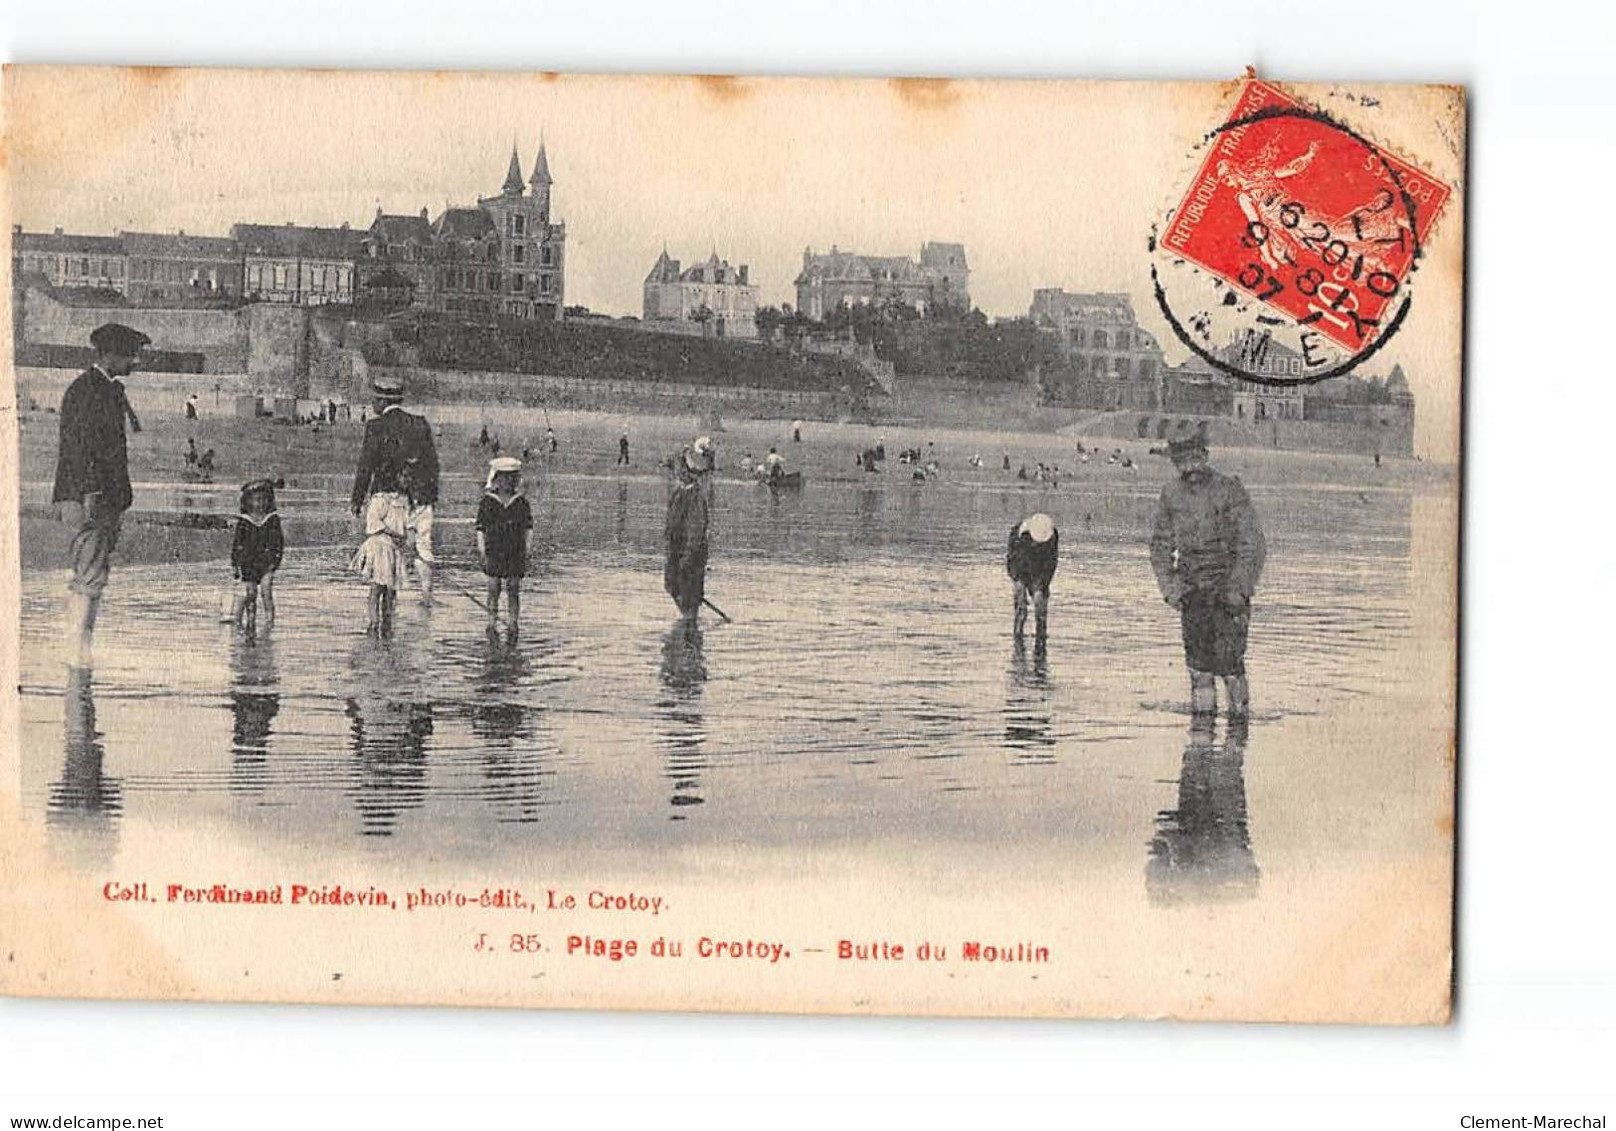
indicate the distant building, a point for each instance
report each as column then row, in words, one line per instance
column 1261, row 356
column 395, row 259
column 67, row 260
column 166, row 268
column 526, row 277
column 303, row 266
column 1111, row 362
column 712, row 294
column 941, row 277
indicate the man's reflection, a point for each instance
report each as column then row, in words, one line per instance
column 1028, row 724
column 683, row 737
column 390, row 732
column 84, row 799
column 1201, row 852
column 254, row 702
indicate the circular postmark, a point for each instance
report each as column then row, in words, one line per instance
column 1288, row 258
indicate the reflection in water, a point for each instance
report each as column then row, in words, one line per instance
column 512, row 763
column 622, row 512
column 389, row 732
column 1201, row 852
column 84, row 799
column 684, row 734
column 254, row 702
column 1028, row 725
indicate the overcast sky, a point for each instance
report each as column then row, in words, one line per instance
column 1046, row 184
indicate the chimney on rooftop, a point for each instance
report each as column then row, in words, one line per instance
column 423, row 213
column 58, row 231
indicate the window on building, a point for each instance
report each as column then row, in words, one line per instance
column 518, row 224
column 493, row 281
column 516, row 284
column 547, row 255
column 344, row 280
column 279, row 275
column 1099, row 339
column 519, row 253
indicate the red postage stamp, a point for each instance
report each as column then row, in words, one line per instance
column 1316, row 223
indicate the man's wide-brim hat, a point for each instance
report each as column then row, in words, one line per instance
column 1187, row 444
column 390, row 387
column 115, row 337
column 699, row 455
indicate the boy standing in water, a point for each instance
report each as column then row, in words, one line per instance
column 255, row 555
column 684, row 574
column 504, row 537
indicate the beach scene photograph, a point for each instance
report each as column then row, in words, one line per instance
column 726, row 543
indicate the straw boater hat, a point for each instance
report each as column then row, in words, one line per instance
column 1038, row 527
column 499, row 465
column 390, row 388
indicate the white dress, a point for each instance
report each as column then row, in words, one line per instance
column 380, row 559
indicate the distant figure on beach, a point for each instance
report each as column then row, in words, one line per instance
column 1007, row 461
column 976, row 461
column 1207, row 550
column 622, row 450
column 255, row 555
column 796, row 431
column 1022, row 474
column 774, row 465
column 881, row 448
column 689, row 513
column 1377, row 456
column 191, row 456
column 504, row 537
column 190, row 407
column 550, row 440
column 867, row 460
column 1031, row 559
column 482, row 437
column 398, row 468
column 92, row 488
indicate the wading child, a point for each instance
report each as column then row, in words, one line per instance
column 504, row 534
column 380, row 559
column 255, row 555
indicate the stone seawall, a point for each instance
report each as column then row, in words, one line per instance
column 221, row 336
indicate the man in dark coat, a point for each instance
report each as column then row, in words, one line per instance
column 399, row 459
column 92, row 477
column 1030, row 560
column 1207, row 550
column 689, row 511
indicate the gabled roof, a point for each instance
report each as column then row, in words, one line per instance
column 66, row 243
column 712, row 270
column 401, row 229
column 463, row 224
column 288, row 241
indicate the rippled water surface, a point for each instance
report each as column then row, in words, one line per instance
column 867, row 688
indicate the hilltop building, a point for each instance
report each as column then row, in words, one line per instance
column 1112, row 362
column 940, row 278
column 67, row 260
column 711, row 295
column 304, row 266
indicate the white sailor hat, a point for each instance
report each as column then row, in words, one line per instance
column 1038, row 527
column 500, row 464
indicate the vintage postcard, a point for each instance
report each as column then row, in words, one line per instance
column 705, row 543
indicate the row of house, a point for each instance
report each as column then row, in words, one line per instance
column 723, row 300
column 503, row 257
column 1113, row 363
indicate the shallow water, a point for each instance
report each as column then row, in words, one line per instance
column 867, row 690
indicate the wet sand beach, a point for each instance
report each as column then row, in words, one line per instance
column 864, row 743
